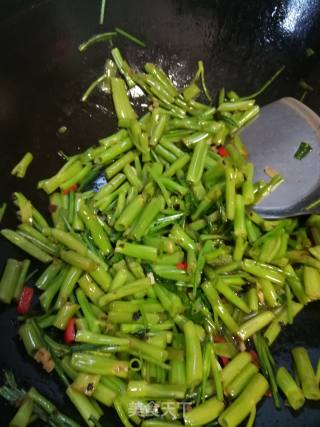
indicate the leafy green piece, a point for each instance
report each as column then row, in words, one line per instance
column 302, row 151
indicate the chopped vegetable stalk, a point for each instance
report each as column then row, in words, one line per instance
column 289, row 387
column 194, row 367
column 9, row 280
column 204, row 413
column 21, row 168
column 23, row 415
column 306, row 373
column 242, row 406
column 122, row 105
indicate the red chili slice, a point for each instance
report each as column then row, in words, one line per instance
column 255, row 358
column 70, row 331
column 25, row 300
column 182, row 265
column 222, row 151
column 219, row 339
column 69, row 190
column 52, row 208
column 224, row 360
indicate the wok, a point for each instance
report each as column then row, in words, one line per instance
column 42, row 77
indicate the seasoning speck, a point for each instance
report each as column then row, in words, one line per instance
column 62, row 130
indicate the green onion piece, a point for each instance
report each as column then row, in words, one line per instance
column 302, row 151
column 93, row 85
column 102, row 11
column 268, row 365
column 265, row 86
column 305, row 86
column 96, row 39
column 200, row 74
column 216, row 373
column 130, row 37
column 123, row 67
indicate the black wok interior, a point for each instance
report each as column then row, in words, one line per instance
column 42, row 77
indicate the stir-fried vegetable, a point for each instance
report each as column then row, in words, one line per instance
column 163, row 278
column 32, row 406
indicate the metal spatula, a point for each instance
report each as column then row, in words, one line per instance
column 272, row 140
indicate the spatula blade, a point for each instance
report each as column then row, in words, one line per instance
column 272, row 140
